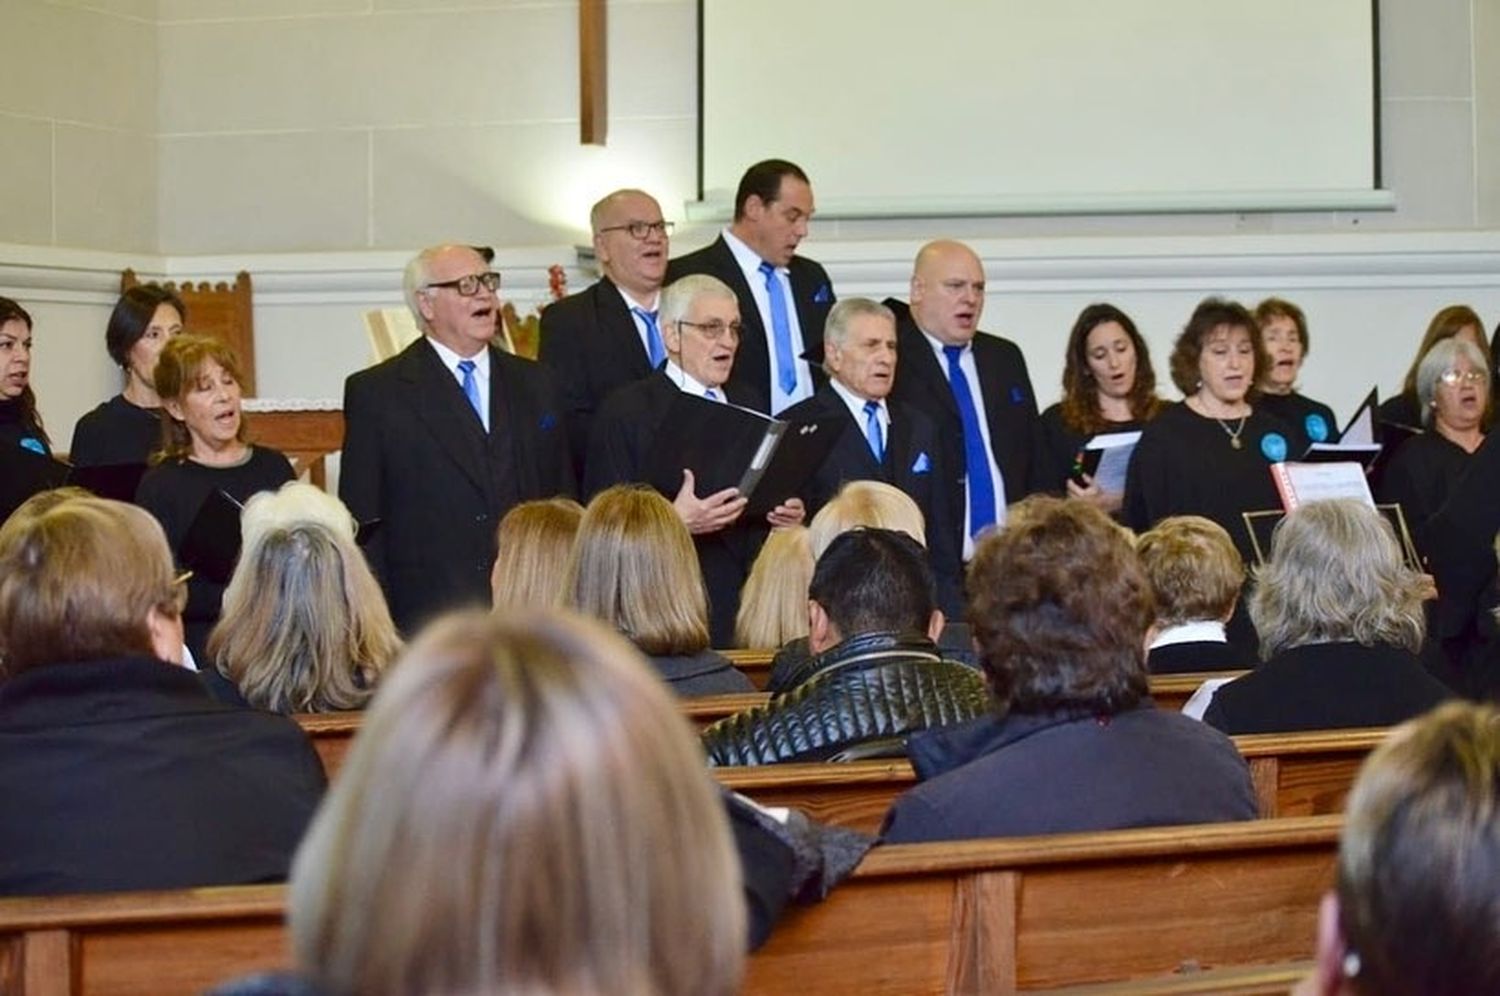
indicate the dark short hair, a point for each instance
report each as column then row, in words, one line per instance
column 874, row 580
column 1212, row 313
column 132, row 316
column 1080, row 403
column 764, row 181
column 1059, row 607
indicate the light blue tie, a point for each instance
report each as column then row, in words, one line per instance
column 781, row 331
column 471, row 388
column 872, row 430
column 976, row 461
column 656, row 350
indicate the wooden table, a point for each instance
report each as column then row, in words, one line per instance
column 305, row 435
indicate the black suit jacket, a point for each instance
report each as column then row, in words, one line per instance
column 913, row 462
column 417, row 458
column 590, row 342
column 1009, row 408
column 812, row 293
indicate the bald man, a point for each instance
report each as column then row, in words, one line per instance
column 975, row 387
column 608, row 334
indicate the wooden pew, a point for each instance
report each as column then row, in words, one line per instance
column 1306, row 774
column 998, row 916
column 1171, row 691
column 756, row 663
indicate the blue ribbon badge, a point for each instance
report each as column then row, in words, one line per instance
column 34, row 445
column 1273, row 445
column 1317, row 428
column 922, row 465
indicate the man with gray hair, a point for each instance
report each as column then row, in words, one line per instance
column 443, row 438
column 882, row 439
column 700, row 325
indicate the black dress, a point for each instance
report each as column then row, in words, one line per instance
column 1313, row 419
column 24, row 469
column 174, row 492
column 116, row 432
column 1060, row 445
column 1421, row 475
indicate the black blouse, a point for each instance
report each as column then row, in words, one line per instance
column 116, row 432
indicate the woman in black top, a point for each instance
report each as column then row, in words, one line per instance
column 20, row 425
column 206, row 453
column 1108, row 386
column 1283, row 329
column 126, row 429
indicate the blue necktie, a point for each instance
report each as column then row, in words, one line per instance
column 656, row 351
column 781, row 331
column 872, row 430
column 711, row 394
column 976, row 460
column 471, row 388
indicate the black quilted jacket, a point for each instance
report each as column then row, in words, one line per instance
column 870, row 692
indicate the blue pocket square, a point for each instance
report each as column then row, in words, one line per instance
column 823, row 295
column 922, row 465
column 547, row 421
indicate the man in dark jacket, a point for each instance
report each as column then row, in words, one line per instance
column 875, row 675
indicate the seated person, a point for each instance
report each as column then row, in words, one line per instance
column 634, row 569
column 1340, row 621
column 119, row 771
column 877, row 674
column 773, row 604
column 1060, row 608
column 1195, row 574
column 1414, row 908
column 305, row 626
column 534, row 541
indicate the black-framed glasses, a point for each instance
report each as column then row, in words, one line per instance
column 469, row 284
column 641, row 229
column 714, row 331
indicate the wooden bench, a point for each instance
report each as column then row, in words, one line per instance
column 756, row 663
column 998, row 916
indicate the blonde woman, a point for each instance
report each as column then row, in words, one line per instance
column 773, row 606
column 305, row 627
column 489, row 834
column 634, row 568
column 535, row 540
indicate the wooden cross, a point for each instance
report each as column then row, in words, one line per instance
column 593, row 114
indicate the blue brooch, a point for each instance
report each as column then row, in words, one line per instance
column 34, row 445
column 1017, row 394
column 1317, row 429
column 1273, row 445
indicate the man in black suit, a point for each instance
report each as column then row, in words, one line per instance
column 608, row 334
column 975, row 387
column 882, row 439
column 443, row 438
column 784, row 298
column 700, row 324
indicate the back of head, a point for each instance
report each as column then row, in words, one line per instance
column 773, row 605
column 1336, row 574
column 872, row 504
column 304, row 627
column 1194, row 569
column 874, row 580
column 490, row 832
column 634, row 567
column 534, row 541
column 1059, row 606
column 295, row 503
column 1420, row 858
column 79, row 578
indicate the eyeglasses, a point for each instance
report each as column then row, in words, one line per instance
column 641, row 229
column 468, row 285
column 714, row 331
column 1453, row 378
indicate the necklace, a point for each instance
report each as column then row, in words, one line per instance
column 1233, row 434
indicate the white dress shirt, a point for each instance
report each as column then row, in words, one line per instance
column 971, row 374
column 750, row 261
column 688, row 384
column 481, row 375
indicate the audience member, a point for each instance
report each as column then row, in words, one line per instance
column 1196, row 575
column 126, row 429
column 1455, row 321
column 1340, row 621
column 633, row 568
column 784, row 298
column 773, row 605
column 609, row 334
column 490, row 832
column 445, row 437
column 876, row 675
column 305, row 627
column 1109, row 386
column 1415, row 909
column 119, row 771
column 1283, row 330
column 1060, row 608
column 535, row 540
column 974, row 387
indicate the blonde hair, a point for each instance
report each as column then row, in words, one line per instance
column 1194, row 569
column 78, row 580
column 305, row 627
column 178, row 370
column 773, row 605
column 1335, row 574
column 535, row 540
column 523, row 811
column 866, row 503
column 634, row 567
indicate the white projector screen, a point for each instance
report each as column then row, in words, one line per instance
column 1019, row 106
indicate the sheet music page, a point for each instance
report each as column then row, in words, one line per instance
column 1114, row 461
column 1324, row 481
